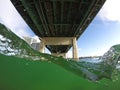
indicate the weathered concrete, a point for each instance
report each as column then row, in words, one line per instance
column 42, row 47
column 60, row 54
column 75, row 49
column 60, row 41
column 57, row 40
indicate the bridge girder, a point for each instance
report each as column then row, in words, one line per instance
column 58, row 18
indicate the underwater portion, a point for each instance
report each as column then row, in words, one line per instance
column 22, row 68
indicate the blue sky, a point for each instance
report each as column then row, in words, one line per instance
column 100, row 35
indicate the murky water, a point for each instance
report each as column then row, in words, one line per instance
column 22, row 68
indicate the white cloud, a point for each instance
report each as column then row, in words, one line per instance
column 11, row 18
column 36, row 38
column 69, row 54
column 9, row 15
column 21, row 33
column 110, row 11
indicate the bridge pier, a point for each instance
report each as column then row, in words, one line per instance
column 75, row 49
column 42, row 46
column 60, row 41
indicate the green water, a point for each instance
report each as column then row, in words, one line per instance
column 21, row 74
column 22, row 68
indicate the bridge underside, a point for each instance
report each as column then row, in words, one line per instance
column 58, row 18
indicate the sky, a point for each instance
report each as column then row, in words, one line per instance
column 99, row 36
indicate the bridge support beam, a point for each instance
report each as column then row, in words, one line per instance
column 42, row 47
column 75, row 49
column 60, row 54
column 60, row 41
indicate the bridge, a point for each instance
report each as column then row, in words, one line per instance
column 58, row 23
